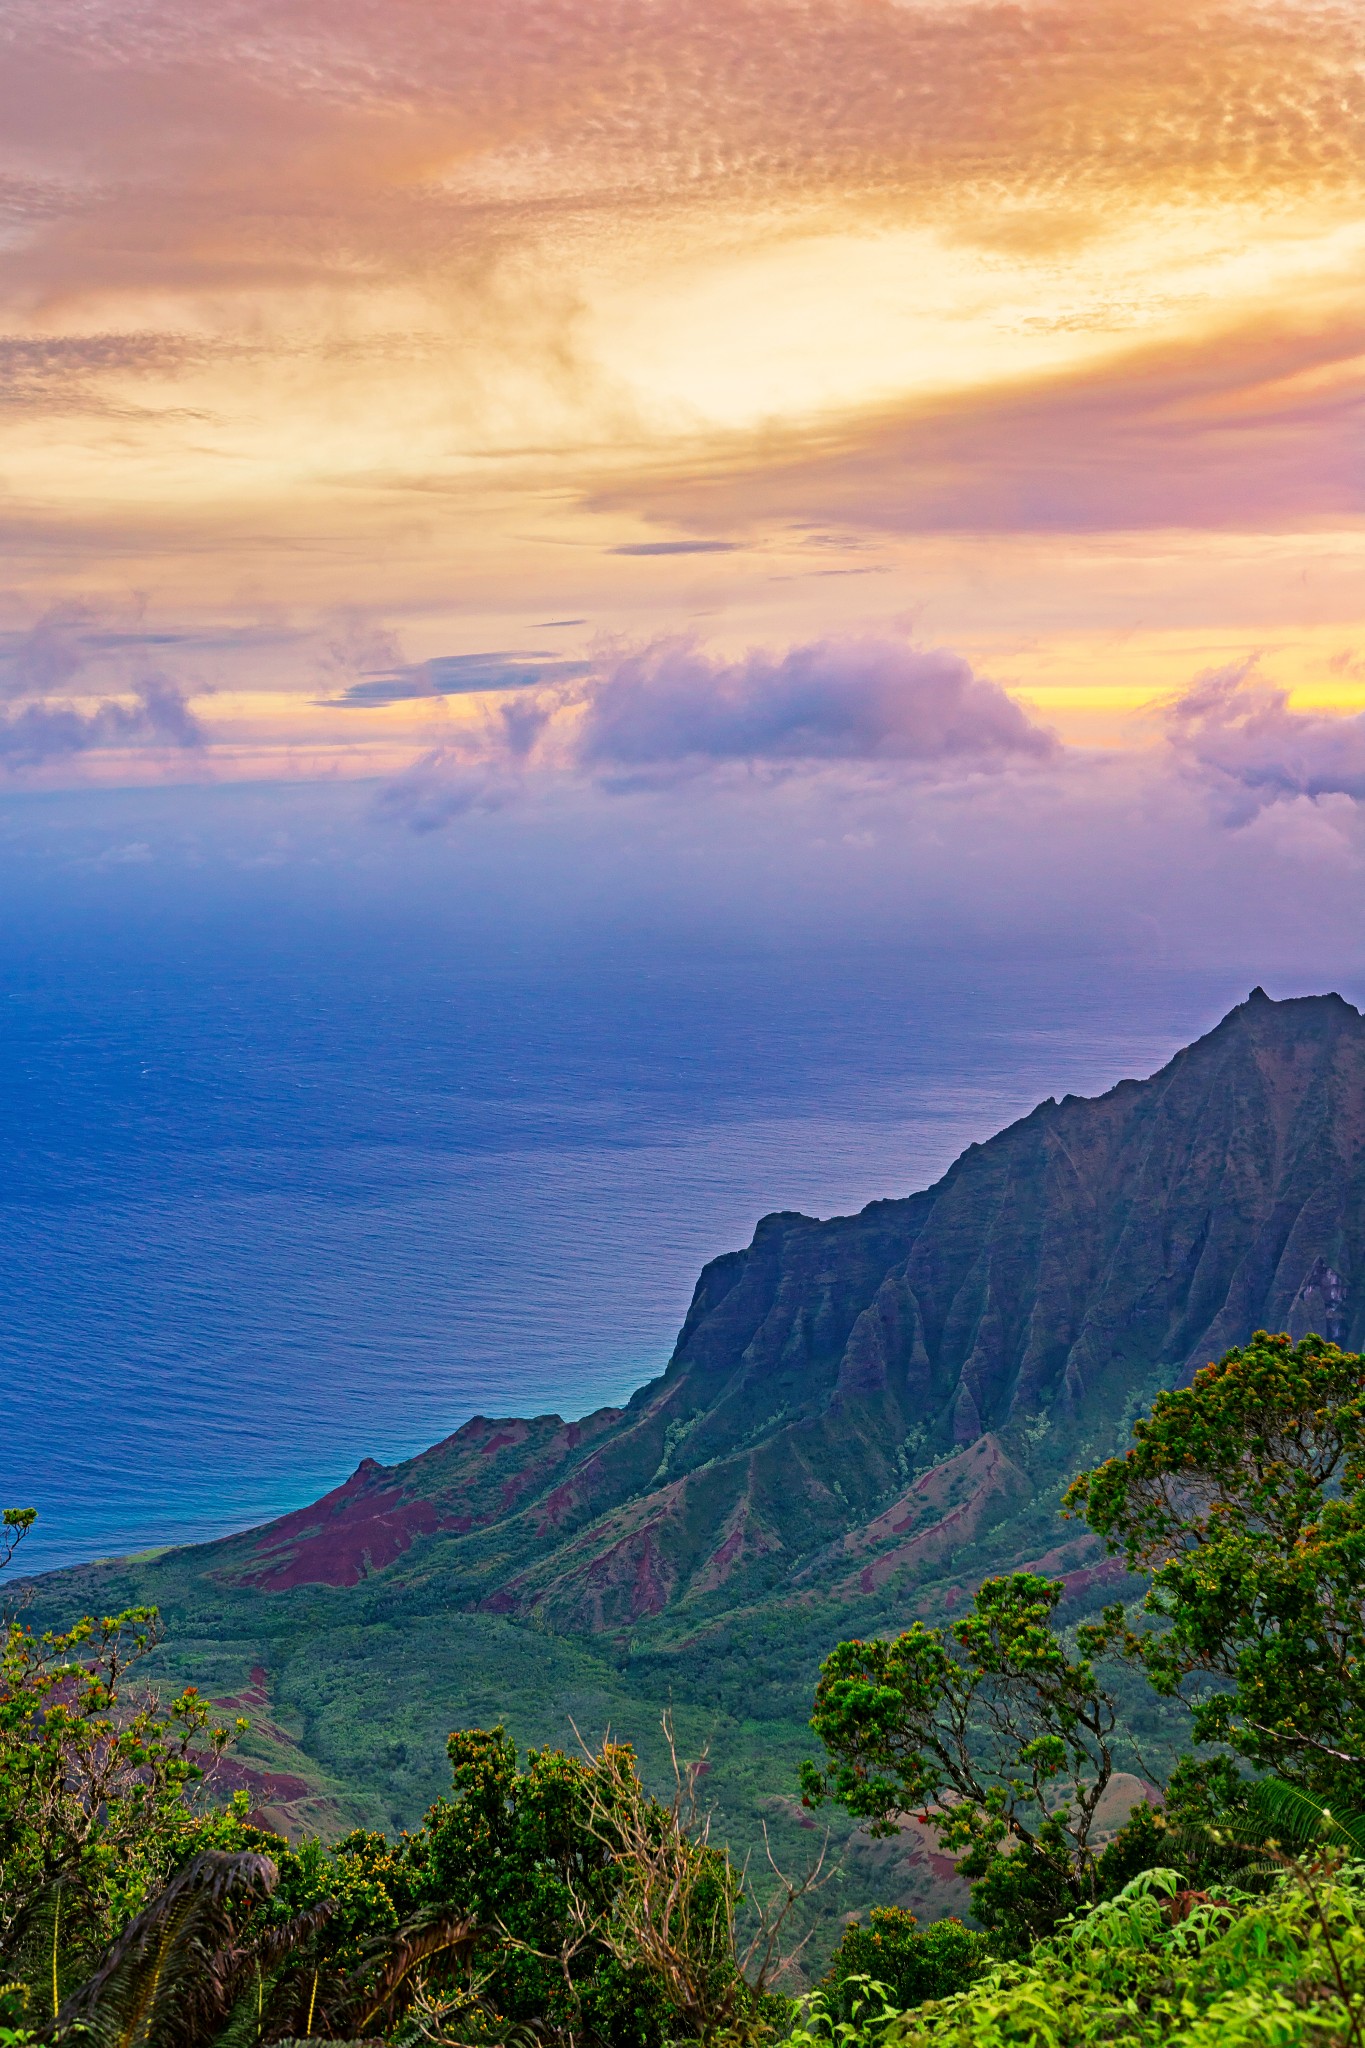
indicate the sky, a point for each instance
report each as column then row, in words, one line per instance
column 559, row 553
column 898, row 423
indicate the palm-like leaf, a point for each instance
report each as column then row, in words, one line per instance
column 266, row 1984
column 168, row 1981
column 372, row 1992
column 292, row 1991
column 47, row 1950
column 1287, row 1814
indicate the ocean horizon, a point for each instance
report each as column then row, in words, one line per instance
column 273, row 1205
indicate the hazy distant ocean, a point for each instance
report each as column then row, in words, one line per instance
column 277, row 1200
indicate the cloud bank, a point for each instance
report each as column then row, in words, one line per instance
column 668, row 712
column 672, row 707
column 1237, row 731
column 54, row 710
column 867, row 712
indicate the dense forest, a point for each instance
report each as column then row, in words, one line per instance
column 560, row 1898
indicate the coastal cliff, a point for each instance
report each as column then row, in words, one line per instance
column 849, row 1401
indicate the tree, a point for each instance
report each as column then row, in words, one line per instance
column 95, row 1778
column 527, row 1856
column 603, row 1914
column 914, row 1963
column 989, row 1730
column 1244, row 1497
column 678, row 1904
column 15, row 1524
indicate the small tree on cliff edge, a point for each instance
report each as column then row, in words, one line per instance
column 1244, row 1497
column 992, row 1732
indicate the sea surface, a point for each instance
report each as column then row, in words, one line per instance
column 274, row 1200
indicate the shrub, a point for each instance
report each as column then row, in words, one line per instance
column 913, row 1963
column 1159, row 1966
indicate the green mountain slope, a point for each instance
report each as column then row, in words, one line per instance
column 861, row 1418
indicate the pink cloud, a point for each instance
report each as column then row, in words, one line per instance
column 1237, row 731
column 670, row 706
column 666, row 712
column 1251, row 430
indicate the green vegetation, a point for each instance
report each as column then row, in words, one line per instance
column 979, row 1724
column 1160, row 1965
column 1242, row 1496
column 910, row 1964
column 546, row 1897
column 558, row 1901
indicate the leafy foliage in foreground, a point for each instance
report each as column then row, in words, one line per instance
column 96, row 1782
column 1159, row 1964
column 559, row 1902
column 993, row 1728
column 911, row 1963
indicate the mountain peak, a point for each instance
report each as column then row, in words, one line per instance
column 1287, row 1007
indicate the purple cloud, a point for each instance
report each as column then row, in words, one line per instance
column 1237, row 730
column 40, row 671
column 676, row 547
column 669, row 706
column 43, row 731
column 440, row 786
column 455, row 675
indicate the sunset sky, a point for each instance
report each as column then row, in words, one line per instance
column 623, row 392
column 616, row 614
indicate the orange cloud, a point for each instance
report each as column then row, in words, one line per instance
column 474, row 315
column 1252, row 429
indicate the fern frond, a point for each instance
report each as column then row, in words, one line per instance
column 168, row 1981
column 376, row 1984
column 1302, row 1822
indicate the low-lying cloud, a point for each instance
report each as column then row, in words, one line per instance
column 669, row 712
column 440, row 786
column 158, row 714
column 45, row 684
column 672, row 707
column 1237, row 730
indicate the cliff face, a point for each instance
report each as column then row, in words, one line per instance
column 851, row 1401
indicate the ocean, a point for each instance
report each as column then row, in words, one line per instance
column 282, row 1191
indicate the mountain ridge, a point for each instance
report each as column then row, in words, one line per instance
column 806, row 1468
column 834, row 1382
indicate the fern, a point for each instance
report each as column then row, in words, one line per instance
column 168, row 1980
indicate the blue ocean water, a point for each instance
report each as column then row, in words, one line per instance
column 278, row 1195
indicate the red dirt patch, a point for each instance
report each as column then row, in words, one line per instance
column 612, row 1578
column 944, row 1507
column 743, row 1537
column 356, row 1529
column 267, row 1788
column 503, row 1439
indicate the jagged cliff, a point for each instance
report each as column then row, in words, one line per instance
column 853, row 1402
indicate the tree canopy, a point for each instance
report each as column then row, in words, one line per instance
column 991, row 1729
column 1243, row 1496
